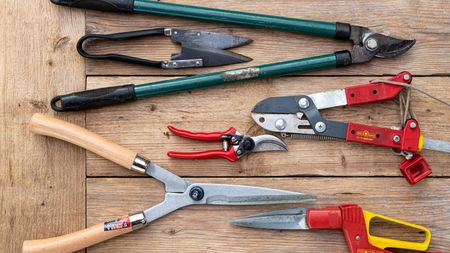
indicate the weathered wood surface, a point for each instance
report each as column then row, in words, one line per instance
column 141, row 126
column 206, row 228
column 42, row 181
column 426, row 21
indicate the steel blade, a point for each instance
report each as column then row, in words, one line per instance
column 436, row 145
column 172, row 182
column 290, row 219
column 209, row 57
column 391, row 47
column 204, row 39
column 268, row 143
column 223, row 194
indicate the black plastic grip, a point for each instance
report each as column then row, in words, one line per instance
column 343, row 58
column 343, row 31
column 99, row 5
column 94, row 98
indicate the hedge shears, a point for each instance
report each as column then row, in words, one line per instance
column 179, row 192
column 299, row 116
column 367, row 44
column 351, row 219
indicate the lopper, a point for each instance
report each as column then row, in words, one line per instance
column 235, row 145
column 299, row 116
column 367, row 44
column 179, row 192
column 351, row 219
column 198, row 48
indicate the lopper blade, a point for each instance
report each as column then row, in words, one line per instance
column 223, row 194
column 202, row 39
column 290, row 219
column 210, row 57
column 436, row 145
column 267, row 142
column 392, row 47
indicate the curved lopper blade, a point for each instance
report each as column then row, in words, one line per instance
column 268, row 143
column 290, row 219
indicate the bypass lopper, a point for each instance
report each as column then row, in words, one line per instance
column 367, row 44
column 351, row 219
column 299, row 116
column 179, row 192
column 235, row 145
column 198, row 48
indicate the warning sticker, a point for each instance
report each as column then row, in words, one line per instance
column 117, row 224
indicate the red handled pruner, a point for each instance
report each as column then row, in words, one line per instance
column 351, row 219
column 235, row 145
column 299, row 116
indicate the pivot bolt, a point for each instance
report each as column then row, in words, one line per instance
column 358, row 237
column 396, row 138
column 372, row 44
column 196, row 193
column 320, row 127
column 413, row 125
column 303, row 103
column 406, row 77
column 280, row 124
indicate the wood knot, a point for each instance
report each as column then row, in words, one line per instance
column 61, row 42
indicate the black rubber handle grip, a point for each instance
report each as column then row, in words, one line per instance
column 99, row 5
column 94, row 98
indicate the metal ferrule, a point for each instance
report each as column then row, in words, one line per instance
column 137, row 221
column 140, row 164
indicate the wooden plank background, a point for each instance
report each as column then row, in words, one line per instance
column 51, row 188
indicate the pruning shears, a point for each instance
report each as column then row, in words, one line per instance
column 179, row 192
column 367, row 44
column 235, row 145
column 351, row 219
column 299, row 116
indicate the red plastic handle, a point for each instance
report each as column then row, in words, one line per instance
column 229, row 155
column 202, row 136
column 373, row 92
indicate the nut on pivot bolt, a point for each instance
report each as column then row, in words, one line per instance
column 320, row 127
column 372, row 44
column 280, row 124
column 303, row 103
column 396, row 138
column 196, row 193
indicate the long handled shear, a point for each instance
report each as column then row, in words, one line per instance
column 351, row 219
column 367, row 44
column 299, row 116
column 179, row 192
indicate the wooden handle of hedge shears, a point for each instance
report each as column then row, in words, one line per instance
column 80, row 239
column 49, row 126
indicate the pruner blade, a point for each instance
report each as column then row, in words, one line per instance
column 268, row 142
column 290, row 219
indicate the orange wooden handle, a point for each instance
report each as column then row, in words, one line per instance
column 74, row 241
column 50, row 126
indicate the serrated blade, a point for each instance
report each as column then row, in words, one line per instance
column 436, row 145
column 290, row 219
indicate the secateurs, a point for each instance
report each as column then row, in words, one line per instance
column 351, row 219
column 235, row 145
column 198, row 48
column 299, row 116
column 367, row 44
column 179, row 192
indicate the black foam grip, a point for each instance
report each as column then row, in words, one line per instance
column 99, row 5
column 94, row 98
column 343, row 31
column 343, row 58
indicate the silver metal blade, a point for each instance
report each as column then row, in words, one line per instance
column 290, row 219
column 210, row 56
column 204, row 39
column 268, row 143
column 223, row 194
column 436, row 145
column 172, row 182
column 291, row 123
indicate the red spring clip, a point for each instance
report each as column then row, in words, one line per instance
column 415, row 169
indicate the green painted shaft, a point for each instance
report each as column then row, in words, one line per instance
column 230, row 76
column 320, row 28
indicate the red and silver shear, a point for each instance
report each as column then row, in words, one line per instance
column 300, row 116
column 235, row 145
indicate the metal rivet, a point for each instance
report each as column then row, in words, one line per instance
column 175, row 32
column 320, row 127
column 406, row 77
column 280, row 124
column 197, row 62
column 198, row 34
column 396, row 138
column 303, row 103
column 358, row 237
column 413, row 125
column 239, row 152
column 174, row 64
column 372, row 44
column 196, row 193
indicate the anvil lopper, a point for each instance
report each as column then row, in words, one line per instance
column 299, row 116
column 235, row 145
column 367, row 44
column 179, row 192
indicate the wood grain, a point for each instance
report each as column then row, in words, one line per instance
column 206, row 228
column 141, row 126
column 42, row 181
column 425, row 21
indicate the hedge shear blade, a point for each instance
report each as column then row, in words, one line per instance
column 351, row 219
column 198, row 48
column 299, row 116
column 179, row 192
column 235, row 145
